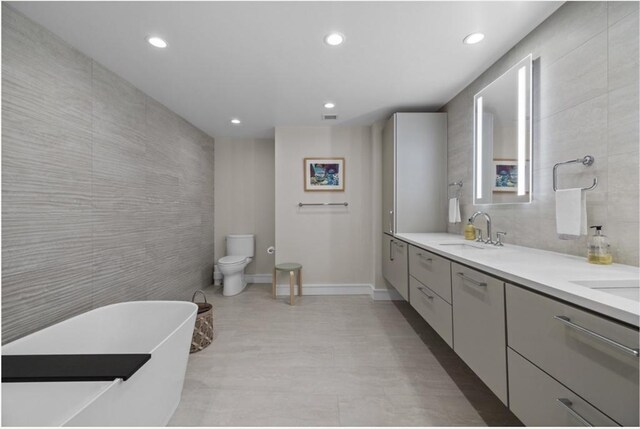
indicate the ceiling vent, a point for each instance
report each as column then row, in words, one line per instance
column 329, row 117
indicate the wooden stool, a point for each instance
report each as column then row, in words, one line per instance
column 291, row 267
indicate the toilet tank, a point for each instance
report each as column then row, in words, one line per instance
column 241, row 245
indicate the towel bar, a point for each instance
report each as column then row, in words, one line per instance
column 323, row 204
column 586, row 161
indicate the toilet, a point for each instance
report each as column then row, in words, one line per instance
column 240, row 251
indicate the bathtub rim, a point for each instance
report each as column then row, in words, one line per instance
column 20, row 340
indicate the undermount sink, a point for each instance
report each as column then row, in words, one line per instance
column 627, row 288
column 606, row 284
column 464, row 246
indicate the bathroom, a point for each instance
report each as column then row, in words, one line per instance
column 135, row 160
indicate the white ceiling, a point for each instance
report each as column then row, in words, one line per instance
column 266, row 62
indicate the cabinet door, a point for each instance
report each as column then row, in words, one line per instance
column 387, row 263
column 388, row 177
column 395, row 267
column 421, row 172
column 479, row 336
column 539, row 400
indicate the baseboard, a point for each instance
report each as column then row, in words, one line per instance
column 385, row 295
column 328, row 289
column 258, row 278
column 343, row 289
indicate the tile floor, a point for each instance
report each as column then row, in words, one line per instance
column 329, row 361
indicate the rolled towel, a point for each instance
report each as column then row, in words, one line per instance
column 571, row 213
column 454, row 210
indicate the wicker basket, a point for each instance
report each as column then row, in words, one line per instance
column 203, row 333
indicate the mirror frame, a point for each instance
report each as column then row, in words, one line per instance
column 525, row 87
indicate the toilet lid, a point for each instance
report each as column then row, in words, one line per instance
column 231, row 259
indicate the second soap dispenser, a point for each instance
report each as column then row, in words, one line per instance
column 599, row 249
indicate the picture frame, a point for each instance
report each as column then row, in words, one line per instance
column 324, row 174
column 506, row 175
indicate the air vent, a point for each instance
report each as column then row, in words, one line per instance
column 329, row 117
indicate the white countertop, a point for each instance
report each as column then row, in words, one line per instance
column 548, row 272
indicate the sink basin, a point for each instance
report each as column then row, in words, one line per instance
column 632, row 293
column 627, row 288
column 605, row 284
column 463, row 246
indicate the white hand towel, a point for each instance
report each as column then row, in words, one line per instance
column 571, row 213
column 454, row 210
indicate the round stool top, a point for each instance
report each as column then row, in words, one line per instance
column 288, row 266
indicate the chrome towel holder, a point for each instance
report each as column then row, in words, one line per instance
column 586, row 161
column 458, row 189
column 323, row 204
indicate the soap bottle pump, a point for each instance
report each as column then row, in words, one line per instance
column 599, row 249
column 469, row 231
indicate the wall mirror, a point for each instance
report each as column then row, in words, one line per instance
column 502, row 138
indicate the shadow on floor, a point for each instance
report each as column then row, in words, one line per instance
column 488, row 406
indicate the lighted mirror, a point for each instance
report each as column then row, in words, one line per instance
column 502, row 138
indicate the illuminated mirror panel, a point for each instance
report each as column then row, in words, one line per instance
column 502, row 171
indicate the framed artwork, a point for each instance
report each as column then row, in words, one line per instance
column 324, row 174
column 506, row 175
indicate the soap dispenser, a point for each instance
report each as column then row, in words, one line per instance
column 599, row 249
column 469, row 231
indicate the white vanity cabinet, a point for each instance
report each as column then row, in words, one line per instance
column 591, row 355
column 414, row 160
column 395, row 264
column 479, row 326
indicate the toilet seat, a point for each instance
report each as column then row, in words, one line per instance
column 232, row 259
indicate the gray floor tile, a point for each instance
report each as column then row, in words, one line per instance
column 329, row 361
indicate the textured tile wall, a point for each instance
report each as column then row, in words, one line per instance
column 585, row 102
column 107, row 196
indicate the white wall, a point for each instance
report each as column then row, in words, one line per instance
column 335, row 245
column 244, row 196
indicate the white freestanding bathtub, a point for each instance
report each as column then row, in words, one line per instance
column 148, row 398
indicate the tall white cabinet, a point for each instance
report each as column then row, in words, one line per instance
column 414, row 184
column 414, row 173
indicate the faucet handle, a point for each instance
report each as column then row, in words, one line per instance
column 499, row 236
column 479, row 235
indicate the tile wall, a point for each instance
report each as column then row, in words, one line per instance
column 585, row 103
column 107, row 196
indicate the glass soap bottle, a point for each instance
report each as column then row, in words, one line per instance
column 469, row 231
column 599, row 249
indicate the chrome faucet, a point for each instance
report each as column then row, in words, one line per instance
column 488, row 218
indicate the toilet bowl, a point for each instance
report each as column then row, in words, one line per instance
column 232, row 269
column 240, row 251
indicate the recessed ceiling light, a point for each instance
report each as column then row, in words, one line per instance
column 156, row 41
column 329, row 105
column 334, row 39
column 235, row 121
column 473, row 38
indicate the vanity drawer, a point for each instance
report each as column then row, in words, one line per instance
column 431, row 270
column 539, row 400
column 559, row 338
column 478, row 326
column 435, row 310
